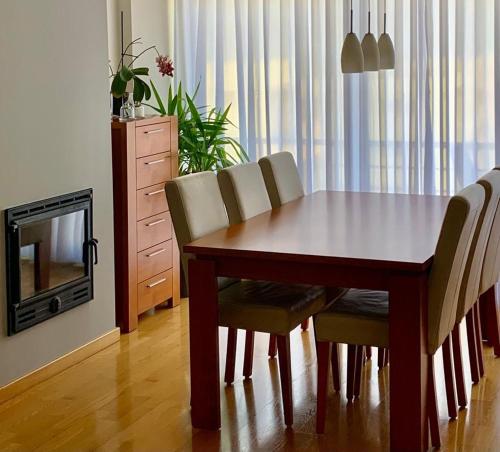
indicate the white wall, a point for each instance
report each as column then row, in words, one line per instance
column 54, row 139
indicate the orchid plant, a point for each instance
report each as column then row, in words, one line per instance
column 126, row 73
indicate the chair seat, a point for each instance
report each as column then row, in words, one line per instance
column 269, row 307
column 360, row 317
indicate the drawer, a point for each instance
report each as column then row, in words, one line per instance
column 151, row 201
column 152, row 139
column 153, row 230
column 154, row 260
column 153, row 170
column 154, row 291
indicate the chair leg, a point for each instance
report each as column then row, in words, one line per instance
column 357, row 370
column 449, row 379
column 305, row 324
column 232, row 336
column 323, row 350
column 471, row 341
column 368, row 353
column 458, row 366
column 272, row 346
column 381, row 359
column 351, row 369
column 479, row 339
column 248, row 360
column 335, row 362
column 432, row 405
column 490, row 319
column 286, row 377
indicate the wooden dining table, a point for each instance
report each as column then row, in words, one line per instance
column 343, row 239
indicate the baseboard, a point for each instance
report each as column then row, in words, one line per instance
column 49, row 370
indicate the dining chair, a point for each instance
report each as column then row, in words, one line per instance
column 361, row 317
column 283, row 185
column 282, row 178
column 468, row 306
column 489, row 278
column 197, row 209
column 244, row 192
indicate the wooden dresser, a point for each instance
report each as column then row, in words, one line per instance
column 145, row 156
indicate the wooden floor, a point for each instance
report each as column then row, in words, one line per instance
column 134, row 396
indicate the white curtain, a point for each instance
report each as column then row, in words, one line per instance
column 426, row 127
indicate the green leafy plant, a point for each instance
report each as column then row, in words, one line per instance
column 203, row 142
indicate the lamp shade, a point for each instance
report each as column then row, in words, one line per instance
column 352, row 56
column 370, row 52
column 386, row 50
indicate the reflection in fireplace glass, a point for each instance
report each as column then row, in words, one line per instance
column 51, row 253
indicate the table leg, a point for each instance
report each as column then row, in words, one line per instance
column 204, row 345
column 409, row 363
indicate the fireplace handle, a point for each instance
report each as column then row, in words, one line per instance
column 151, row 132
column 93, row 244
column 150, row 286
column 154, row 162
column 154, row 223
column 156, row 192
column 155, row 253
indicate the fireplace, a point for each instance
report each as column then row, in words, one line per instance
column 50, row 253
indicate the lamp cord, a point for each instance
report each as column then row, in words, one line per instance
column 369, row 15
column 351, row 16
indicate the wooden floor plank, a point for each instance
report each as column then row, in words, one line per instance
column 135, row 396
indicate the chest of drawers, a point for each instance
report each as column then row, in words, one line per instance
column 146, row 255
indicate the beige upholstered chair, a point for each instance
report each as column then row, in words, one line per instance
column 361, row 317
column 244, row 192
column 245, row 196
column 468, row 306
column 283, row 185
column 282, row 178
column 197, row 209
column 489, row 278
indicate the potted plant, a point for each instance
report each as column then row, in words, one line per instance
column 203, row 141
column 126, row 73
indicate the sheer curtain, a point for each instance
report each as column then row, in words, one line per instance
column 426, row 127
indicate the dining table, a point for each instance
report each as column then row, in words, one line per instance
column 376, row 241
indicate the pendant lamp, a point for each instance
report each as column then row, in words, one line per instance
column 385, row 46
column 352, row 56
column 370, row 48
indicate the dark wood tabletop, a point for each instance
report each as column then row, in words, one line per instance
column 359, row 229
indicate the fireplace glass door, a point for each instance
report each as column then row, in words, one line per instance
column 52, row 253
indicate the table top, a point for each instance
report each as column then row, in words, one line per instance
column 395, row 231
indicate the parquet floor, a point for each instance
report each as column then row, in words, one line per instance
column 134, row 396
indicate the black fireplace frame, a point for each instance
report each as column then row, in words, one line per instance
column 22, row 314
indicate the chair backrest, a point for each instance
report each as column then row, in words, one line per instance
column 196, row 208
column 459, row 225
column 282, row 178
column 469, row 291
column 491, row 266
column 244, row 191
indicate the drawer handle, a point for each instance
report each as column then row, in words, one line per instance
column 155, row 253
column 151, row 132
column 154, row 223
column 154, row 162
column 157, row 192
column 149, row 286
